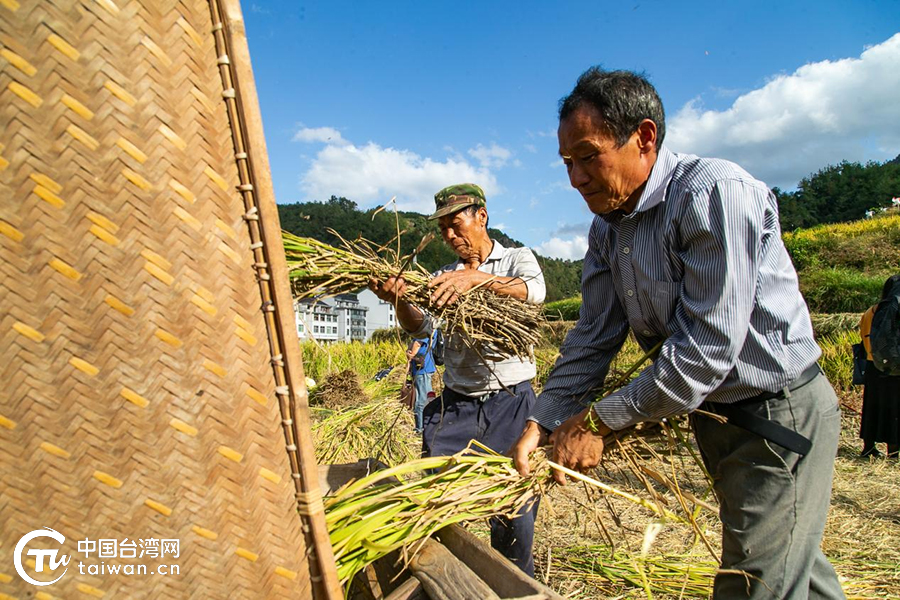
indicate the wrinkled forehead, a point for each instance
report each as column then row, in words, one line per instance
column 583, row 129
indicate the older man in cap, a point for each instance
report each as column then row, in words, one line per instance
column 487, row 395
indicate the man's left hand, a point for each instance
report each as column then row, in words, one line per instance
column 447, row 287
column 575, row 446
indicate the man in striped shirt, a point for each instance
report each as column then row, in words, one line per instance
column 687, row 251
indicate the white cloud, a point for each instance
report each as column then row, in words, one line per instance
column 549, row 132
column 568, row 241
column 501, row 227
column 328, row 135
column 796, row 124
column 531, row 148
column 572, row 248
column 492, row 156
column 371, row 174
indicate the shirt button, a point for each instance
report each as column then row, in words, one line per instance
column 630, row 293
column 626, row 250
column 646, row 332
column 557, row 423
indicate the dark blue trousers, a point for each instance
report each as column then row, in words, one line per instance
column 452, row 420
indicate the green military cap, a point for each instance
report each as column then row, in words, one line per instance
column 457, row 197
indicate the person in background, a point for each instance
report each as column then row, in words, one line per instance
column 421, row 368
column 487, row 395
column 880, row 421
column 686, row 252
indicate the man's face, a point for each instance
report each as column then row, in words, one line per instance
column 608, row 177
column 462, row 231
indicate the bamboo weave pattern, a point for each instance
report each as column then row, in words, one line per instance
column 139, row 399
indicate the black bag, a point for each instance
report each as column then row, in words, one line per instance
column 885, row 334
column 437, row 350
column 859, row 364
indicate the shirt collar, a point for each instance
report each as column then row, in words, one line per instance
column 497, row 252
column 657, row 184
column 660, row 176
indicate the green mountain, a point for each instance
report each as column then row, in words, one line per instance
column 838, row 193
column 313, row 219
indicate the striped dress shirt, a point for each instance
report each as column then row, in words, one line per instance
column 701, row 265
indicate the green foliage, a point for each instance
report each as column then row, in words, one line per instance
column 319, row 360
column 312, row 219
column 563, row 310
column 563, row 277
column 840, row 290
column 391, row 334
column 868, row 245
column 838, row 193
column 842, row 266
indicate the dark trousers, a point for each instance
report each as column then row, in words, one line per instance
column 453, row 420
column 773, row 502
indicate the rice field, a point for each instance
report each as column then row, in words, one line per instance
column 591, row 545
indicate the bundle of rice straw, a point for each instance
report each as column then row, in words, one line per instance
column 370, row 518
column 480, row 317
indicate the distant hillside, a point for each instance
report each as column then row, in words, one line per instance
column 842, row 267
column 839, row 193
column 311, row 219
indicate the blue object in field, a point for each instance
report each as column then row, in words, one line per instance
column 382, row 374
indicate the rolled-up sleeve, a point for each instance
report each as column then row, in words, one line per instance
column 527, row 269
column 720, row 233
column 589, row 347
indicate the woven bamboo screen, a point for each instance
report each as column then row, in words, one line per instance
column 151, row 378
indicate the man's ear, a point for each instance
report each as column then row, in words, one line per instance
column 646, row 134
column 482, row 216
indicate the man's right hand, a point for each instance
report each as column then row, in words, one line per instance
column 532, row 438
column 391, row 290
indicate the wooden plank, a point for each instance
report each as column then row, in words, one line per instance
column 492, row 567
column 445, row 577
column 411, row 589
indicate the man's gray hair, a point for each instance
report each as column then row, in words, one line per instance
column 623, row 98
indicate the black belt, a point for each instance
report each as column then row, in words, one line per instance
column 738, row 415
column 485, row 397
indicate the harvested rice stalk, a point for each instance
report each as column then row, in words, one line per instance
column 380, row 429
column 480, row 317
column 682, row 576
column 368, row 518
column 623, row 450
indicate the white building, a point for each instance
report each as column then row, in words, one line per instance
column 338, row 319
column 380, row 314
column 316, row 319
column 351, row 318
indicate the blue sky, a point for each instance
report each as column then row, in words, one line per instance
column 371, row 100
